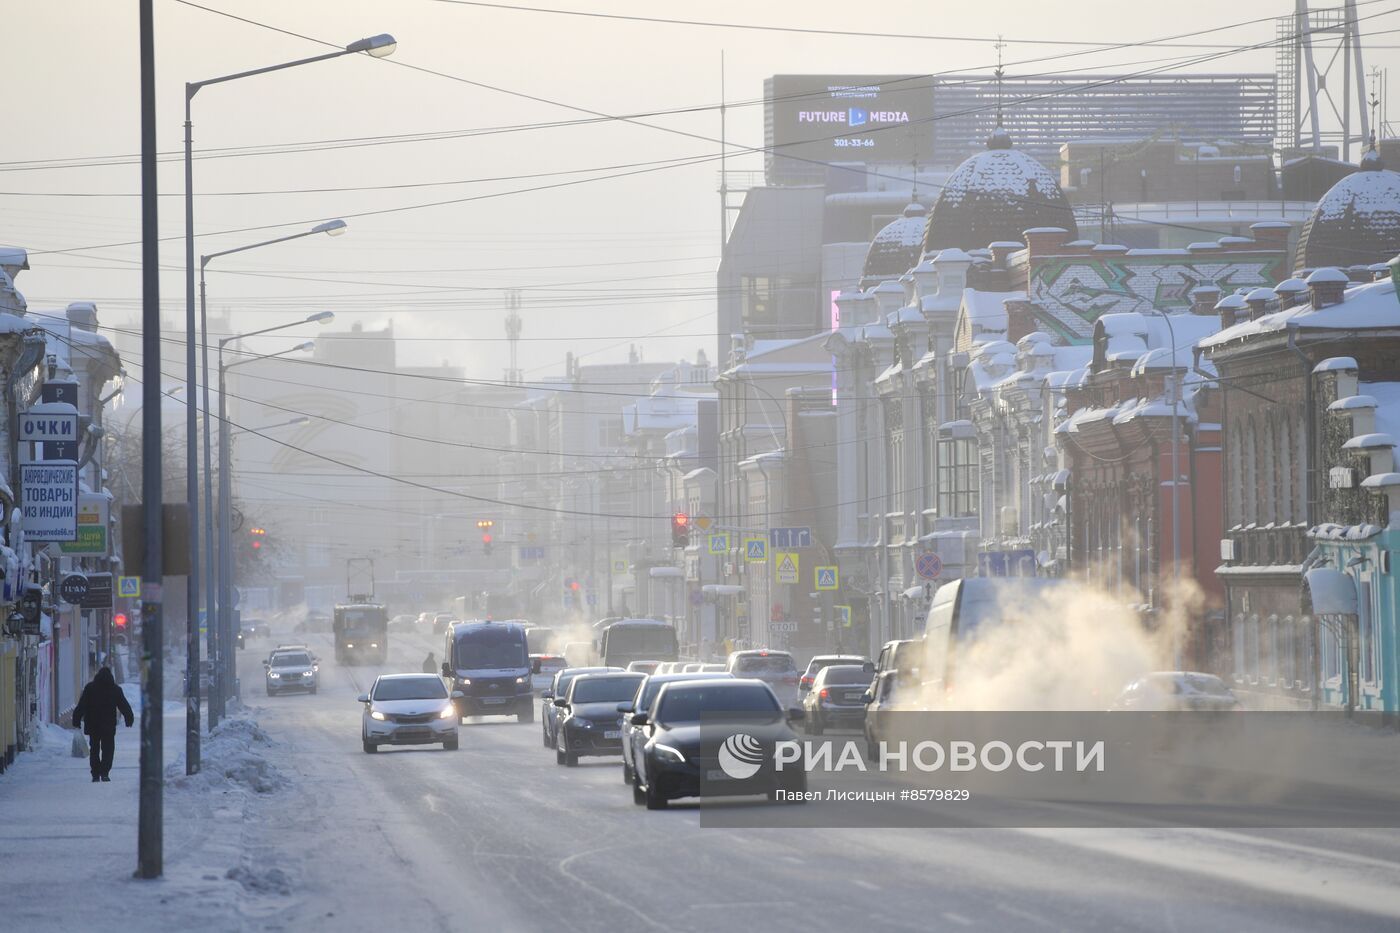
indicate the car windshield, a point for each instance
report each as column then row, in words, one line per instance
column 291, row 660
column 410, row 688
column 486, row 650
column 764, row 664
column 687, row 703
column 1194, row 683
column 605, row 689
column 845, row 675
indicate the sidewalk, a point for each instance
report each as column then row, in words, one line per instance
column 69, row 846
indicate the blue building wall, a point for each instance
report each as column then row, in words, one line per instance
column 1378, row 599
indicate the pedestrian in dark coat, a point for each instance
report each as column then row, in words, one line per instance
column 97, row 712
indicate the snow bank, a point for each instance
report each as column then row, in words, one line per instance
column 234, row 759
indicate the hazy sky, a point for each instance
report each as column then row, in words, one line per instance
column 612, row 259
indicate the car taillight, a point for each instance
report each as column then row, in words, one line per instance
column 823, row 693
column 808, row 680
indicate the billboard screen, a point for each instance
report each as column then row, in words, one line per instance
column 846, row 118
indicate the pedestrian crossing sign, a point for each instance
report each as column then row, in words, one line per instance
column 756, row 550
column 786, row 565
column 826, row 578
column 843, row 616
column 719, row 543
column 129, row 587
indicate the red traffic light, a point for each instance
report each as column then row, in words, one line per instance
column 256, row 544
column 680, row 519
column 119, row 620
column 486, row 539
column 573, row 584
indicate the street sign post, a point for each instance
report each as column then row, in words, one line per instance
column 786, row 564
column 755, row 550
column 788, row 539
column 825, row 578
column 928, row 565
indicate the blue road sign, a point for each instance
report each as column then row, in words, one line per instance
column 787, row 539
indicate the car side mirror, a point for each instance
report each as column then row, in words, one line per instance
column 561, row 702
column 362, row 698
column 535, row 666
column 458, row 695
column 796, row 714
column 639, row 719
column 546, row 695
column 868, row 667
column 446, row 669
column 867, row 697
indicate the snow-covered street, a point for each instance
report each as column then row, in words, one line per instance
column 292, row 827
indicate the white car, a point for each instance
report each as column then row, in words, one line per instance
column 408, row 709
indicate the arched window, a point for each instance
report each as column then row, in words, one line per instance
column 1300, row 476
column 1250, row 479
column 1237, row 643
column 1252, row 648
column 1269, row 651
column 1235, row 457
column 1268, row 476
column 1285, row 472
column 1287, row 653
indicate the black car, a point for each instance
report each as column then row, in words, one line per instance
column 634, row 737
column 551, row 714
column 837, row 697
column 591, row 723
column 678, row 761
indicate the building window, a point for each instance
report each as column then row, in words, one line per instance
column 1269, row 662
column 1288, row 653
column 1252, row 649
column 1250, row 479
column 1238, row 645
column 1369, row 647
column 1307, row 648
column 1236, row 475
column 1268, row 484
column 957, row 477
column 1285, row 472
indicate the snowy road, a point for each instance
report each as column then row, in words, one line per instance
column 498, row 834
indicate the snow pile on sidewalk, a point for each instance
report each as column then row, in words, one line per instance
column 234, row 758
column 50, row 740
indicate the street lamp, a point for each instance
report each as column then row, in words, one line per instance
column 225, row 579
column 377, row 47
column 330, row 228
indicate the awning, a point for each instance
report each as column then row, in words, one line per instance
column 666, row 572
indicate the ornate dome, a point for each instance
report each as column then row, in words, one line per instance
column 996, row 195
column 895, row 249
column 1357, row 221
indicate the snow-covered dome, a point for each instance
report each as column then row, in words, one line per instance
column 1357, row 220
column 996, row 195
column 895, row 249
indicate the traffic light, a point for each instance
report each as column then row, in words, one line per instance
column 119, row 620
column 485, row 524
column 680, row 530
column 485, row 542
column 256, row 538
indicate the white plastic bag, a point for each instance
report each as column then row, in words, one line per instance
column 80, row 746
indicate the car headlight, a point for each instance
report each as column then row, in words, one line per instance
column 523, row 680
column 667, row 753
column 448, row 712
column 374, row 644
column 582, row 723
column 376, row 714
column 273, row 674
column 466, row 681
column 349, row 644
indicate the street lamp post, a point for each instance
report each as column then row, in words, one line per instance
column 225, row 496
column 378, row 47
column 217, row 646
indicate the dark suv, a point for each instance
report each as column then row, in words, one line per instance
column 489, row 663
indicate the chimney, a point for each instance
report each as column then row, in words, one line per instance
column 1021, row 318
column 1291, row 293
column 1003, row 248
column 1327, row 287
column 1043, row 241
column 1271, row 234
column 1261, row 301
column 83, row 315
column 1204, row 299
column 1232, row 309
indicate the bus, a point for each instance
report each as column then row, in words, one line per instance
column 631, row 640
